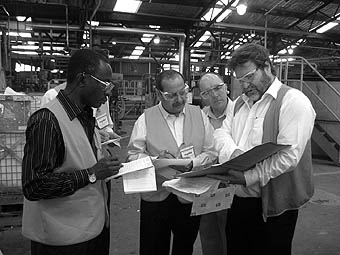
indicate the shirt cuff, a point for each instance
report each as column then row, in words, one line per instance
column 251, row 177
column 195, row 162
column 80, row 179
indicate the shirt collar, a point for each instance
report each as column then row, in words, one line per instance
column 166, row 114
column 271, row 91
column 72, row 110
column 210, row 114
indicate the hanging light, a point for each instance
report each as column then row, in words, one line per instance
column 241, row 9
column 157, row 40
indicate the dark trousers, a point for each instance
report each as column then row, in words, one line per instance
column 100, row 245
column 247, row 233
column 159, row 219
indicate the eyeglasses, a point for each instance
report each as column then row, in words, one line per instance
column 105, row 85
column 172, row 96
column 248, row 77
column 217, row 88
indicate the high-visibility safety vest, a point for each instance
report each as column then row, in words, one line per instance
column 159, row 137
column 81, row 216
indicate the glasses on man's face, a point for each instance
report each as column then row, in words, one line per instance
column 172, row 96
column 248, row 77
column 217, row 88
column 106, row 86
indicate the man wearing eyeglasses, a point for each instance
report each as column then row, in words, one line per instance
column 66, row 209
column 171, row 129
column 264, row 211
column 214, row 94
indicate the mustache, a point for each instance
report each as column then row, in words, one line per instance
column 249, row 89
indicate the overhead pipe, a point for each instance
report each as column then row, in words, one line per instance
column 91, row 18
column 266, row 19
column 66, row 21
column 180, row 36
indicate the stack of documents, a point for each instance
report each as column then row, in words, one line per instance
column 188, row 188
column 203, row 192
column 138, row 176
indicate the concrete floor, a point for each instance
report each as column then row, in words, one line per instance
column 317, row 231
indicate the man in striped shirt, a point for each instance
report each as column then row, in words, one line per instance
column 63, row 171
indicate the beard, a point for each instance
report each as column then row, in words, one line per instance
column 256, row 91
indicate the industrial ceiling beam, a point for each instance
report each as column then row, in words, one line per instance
column 210, row 23
column 326, row 2
column 283, row 12
column 326, row 36
column 192, row 3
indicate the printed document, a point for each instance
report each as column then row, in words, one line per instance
column 138, row 176
column 140, row 181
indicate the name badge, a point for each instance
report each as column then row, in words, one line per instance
column 102, row 121
column 188, row 152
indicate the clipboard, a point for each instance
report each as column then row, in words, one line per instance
column 241, row 163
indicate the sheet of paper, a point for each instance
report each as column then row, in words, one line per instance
column 116, row 141
column 140, row 181
column 133, row 166
column 195, row 186
column 213, row 201
column 164, row 162
column 188, row 188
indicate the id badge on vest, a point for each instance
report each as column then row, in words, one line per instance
column 102, row 121
column 187, row 152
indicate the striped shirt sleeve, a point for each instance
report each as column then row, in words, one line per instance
column 43, row 153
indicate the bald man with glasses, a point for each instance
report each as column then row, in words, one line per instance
column 170, row 129
column 214, row 94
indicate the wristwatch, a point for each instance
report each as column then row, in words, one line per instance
column 92, row 177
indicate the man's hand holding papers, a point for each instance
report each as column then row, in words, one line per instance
column 232, row 170
column 138, row 176
column 169, row 168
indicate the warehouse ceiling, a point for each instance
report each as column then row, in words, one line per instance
column 286, row 27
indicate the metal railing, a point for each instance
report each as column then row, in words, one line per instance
column 283, row 76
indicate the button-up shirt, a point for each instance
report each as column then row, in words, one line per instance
column 175, row 124
column 216, row 122
column 245, row 130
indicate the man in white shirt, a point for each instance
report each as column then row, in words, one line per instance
column 214, row 93
column 264, row 211
column 172, row 129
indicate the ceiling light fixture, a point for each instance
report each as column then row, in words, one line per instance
column 325, row 26
column 241, row 9
column 21, row 18
column 157, row 40
column 131, row 6
column 94, row 23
